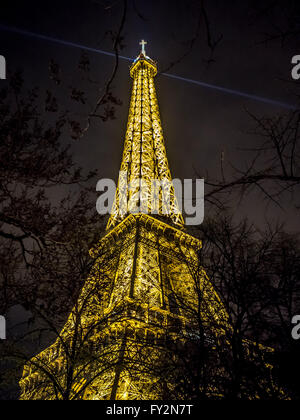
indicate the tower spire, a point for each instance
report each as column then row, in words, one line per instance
column 145, row 183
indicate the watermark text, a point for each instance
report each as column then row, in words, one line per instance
column 2, row 328
column 2, row 67
column 152, row 196
column 296, row 68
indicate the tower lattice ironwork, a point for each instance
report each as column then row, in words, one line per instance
column 137, row 302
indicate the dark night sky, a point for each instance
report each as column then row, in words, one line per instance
column 198, row 122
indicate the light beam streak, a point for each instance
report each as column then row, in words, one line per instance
column 173, row 76
column 234, row 92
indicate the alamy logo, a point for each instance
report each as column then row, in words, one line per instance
column 2, row 67
column 154, row 196
column 2, row 328
column 296, row 329
column 296, row 68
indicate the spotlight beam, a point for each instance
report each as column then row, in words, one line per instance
column 173, row 76
column 235, row 92
column 58, row 41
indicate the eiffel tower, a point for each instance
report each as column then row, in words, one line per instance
column 144, row 272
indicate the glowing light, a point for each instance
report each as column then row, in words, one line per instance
column 143, row 43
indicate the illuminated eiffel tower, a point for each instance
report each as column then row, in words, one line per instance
column 144, row 268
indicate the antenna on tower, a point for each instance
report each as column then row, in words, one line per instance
column 143, row 43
